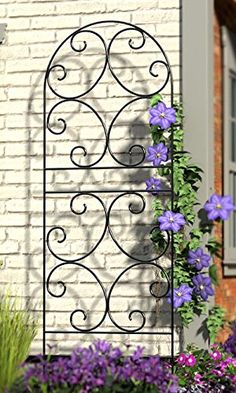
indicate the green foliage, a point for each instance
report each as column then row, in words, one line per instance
column 17, row 331
column 187, row 178
column 215, row 322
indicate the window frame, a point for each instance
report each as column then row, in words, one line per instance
column 229, row 71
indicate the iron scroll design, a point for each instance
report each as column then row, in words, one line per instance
column 155, row 68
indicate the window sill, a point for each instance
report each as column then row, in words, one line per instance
column 229, row 268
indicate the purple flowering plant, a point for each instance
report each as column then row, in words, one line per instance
column 195, row 273
column 100, row 368
column 230, row 343
column 211, row 371
column 157, row 154
column 153, row 185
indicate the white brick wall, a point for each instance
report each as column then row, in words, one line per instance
column 34, row 29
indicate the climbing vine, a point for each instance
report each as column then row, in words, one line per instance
column 194, row 245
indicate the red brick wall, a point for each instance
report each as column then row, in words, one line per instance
column 226, row 291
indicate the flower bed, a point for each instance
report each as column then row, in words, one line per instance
column 102, row 368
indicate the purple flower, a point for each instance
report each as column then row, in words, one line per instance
column 230, row 343
column 182, row 294
column 181, row 358
column 216, row 355
column 157, row 153
column 171, row 221
column 190, row 361
column 202, row 286
column 162, row 116
column 153, row 185
column 198, row 259
column 219, row 207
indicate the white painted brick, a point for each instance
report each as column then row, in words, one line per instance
column 3, row 94
column 80, row 7
column 31, row 36
column 168, row 29
column 3, row 11
column 26, row 65
column 14, row 52
column 17, row 24
column 55, row 22
column 10, row 219
column 9, row 247
column 26, row 9
column 14, row 80
column 169, row 4
column 15, row 149
column 157, row 16
column 16, row 93
column 2, row 122
column 10, row 191
column 131, row 5
column 11, row 177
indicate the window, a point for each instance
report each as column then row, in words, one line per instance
column 229, row 40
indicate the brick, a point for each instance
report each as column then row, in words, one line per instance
column 18, row 24
column 155, row 16
column 9, row 245
column 14, row 52
column 81, row 8
column 12, row 163
column 131, row 5
column 30, row 37
column 26, row 9
column 169, row 4
column 55, row 22
column 11, row 219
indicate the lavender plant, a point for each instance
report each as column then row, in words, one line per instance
column 194, row 276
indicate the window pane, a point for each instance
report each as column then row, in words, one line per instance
column 232, row 221
column 233, row 141
column 233, row 97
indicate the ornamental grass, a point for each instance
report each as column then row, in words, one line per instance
column 17, row 331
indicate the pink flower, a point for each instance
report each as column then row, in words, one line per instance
column 216, row 355
column 181, row 358
column 233, row 378
column 190, row 361
column 217, row 372
column 229, row 360
column 197, row 378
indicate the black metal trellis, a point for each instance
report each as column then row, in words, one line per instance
column 119, row 165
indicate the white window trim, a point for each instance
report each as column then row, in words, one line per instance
column 229, row 66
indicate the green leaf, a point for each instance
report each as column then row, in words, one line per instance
column 155, row 99
column 215, row 322
column 213, row 274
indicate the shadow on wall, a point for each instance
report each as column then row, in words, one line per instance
column 84, row 222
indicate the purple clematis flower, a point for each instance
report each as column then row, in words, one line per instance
column 157, row 153
column 171, row 221
column 219, row 207
column 182, row 294
column 153, row 185
column 162, row 116
column 202, row 286
column 198, row 259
